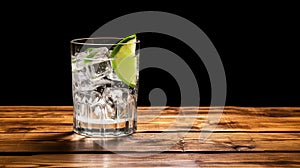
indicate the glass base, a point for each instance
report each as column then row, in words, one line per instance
column 123, row 128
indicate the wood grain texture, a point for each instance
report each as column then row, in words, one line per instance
column 59, row 119
column 32, row 136
column 159, row 160
column 151, row 142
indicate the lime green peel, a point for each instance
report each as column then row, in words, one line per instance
column 124, row 61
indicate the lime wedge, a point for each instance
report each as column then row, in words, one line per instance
column 125, row 62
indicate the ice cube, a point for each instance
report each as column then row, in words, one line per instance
column 78, row 61
column 92, row 65
column 111, row 111
column 101, row 52
column 82, row 55
column 87, row 97
column 99, row 65
column 81, row 82
column 91, row 56
column 101, row 68
column 117, row 98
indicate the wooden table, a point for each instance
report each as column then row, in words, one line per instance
column 245, row 136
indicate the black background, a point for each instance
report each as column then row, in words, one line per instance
column 258, row 44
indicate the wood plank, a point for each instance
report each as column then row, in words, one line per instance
column 35, row 108
column 176, row 141
column 229, row 122
column 159, row 160
column 59, row 119
column 245, row 137
column 229, row 109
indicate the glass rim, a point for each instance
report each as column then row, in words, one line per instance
column 75, row 41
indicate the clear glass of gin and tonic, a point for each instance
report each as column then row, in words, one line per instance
column 105, row 73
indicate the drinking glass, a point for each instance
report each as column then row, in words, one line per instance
column 105, row 76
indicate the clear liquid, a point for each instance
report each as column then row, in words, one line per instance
column 103, row 104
